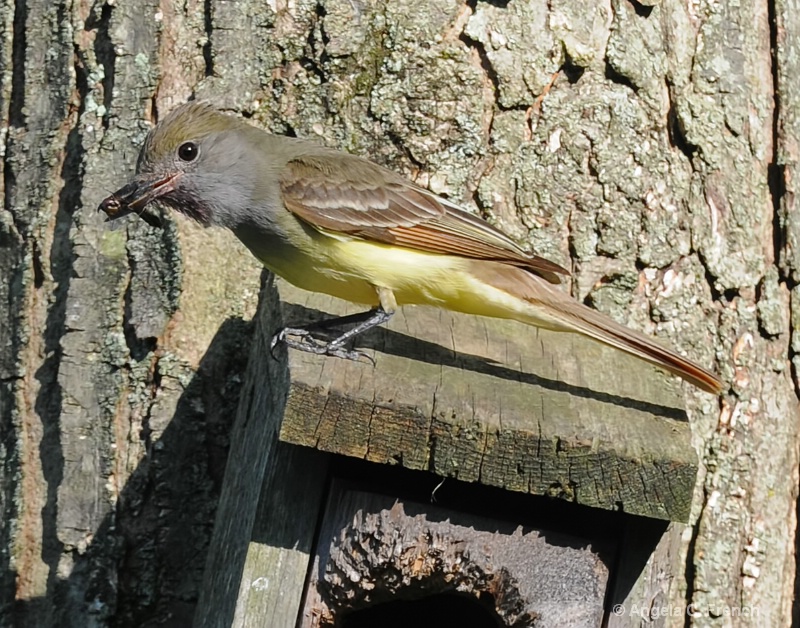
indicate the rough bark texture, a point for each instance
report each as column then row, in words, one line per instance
column 652, row 147
column 120, row 378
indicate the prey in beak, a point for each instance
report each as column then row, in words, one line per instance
column 137, row 195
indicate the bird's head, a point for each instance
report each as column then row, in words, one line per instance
column 197, row 161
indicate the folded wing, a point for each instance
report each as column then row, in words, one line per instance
column 356, row 197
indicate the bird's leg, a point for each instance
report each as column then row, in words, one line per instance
column 340, row 321
column 307, row 331
column 364, row 321
column 308, row 343
column 378, row 316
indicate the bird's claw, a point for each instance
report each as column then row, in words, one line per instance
column 308, row 343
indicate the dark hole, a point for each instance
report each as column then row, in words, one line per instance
column 435, row 611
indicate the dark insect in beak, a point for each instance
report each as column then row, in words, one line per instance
column 137, row 195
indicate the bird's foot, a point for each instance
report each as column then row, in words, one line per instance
column 302, row 339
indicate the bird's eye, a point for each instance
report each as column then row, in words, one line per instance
column 188, row 151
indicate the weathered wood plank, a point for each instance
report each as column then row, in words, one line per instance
column 499, row 403
column 270, row 500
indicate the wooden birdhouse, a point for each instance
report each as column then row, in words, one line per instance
column 478, row 473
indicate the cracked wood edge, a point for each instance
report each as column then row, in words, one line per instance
column 499, row 403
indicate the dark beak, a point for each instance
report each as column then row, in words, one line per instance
column 136, row 195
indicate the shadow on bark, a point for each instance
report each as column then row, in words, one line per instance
column 145, row 562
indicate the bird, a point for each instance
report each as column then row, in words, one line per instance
column 336, row 223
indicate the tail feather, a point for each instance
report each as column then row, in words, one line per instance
column 600, row 327
column 549, row 307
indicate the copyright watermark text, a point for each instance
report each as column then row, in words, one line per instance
column 671, row 610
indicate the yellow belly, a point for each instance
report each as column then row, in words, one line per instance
column 354, row 269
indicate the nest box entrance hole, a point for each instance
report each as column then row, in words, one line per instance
column 433, row 611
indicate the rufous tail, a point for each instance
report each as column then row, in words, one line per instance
column 600, row 327
column 550, row 307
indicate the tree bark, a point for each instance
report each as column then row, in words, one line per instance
column 649, row 146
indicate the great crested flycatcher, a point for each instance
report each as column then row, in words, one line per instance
column 335, row 223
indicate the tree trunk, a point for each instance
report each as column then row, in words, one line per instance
column 649, row 146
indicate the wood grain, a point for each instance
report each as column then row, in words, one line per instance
column 499, row 403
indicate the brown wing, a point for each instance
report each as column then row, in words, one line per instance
column 346, row 194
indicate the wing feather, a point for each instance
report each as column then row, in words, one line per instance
column 346, row 194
